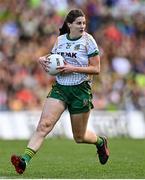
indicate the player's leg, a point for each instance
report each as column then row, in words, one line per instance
column 82, row 135
column 52, row 110
column 79, row 128
column 51, row 113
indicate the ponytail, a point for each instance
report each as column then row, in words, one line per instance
column 64, row 29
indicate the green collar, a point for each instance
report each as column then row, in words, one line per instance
column 74, row 39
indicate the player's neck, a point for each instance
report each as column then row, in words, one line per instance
column 73, row 37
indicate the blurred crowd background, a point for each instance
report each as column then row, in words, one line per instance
column 28, row 30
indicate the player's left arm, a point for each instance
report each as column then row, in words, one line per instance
column 94, row 65
column 92, row 68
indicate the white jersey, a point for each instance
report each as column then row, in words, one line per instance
column 77, row 53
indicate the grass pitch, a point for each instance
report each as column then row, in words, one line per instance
column 63, row 159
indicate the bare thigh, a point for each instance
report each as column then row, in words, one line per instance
column 79, row 124
column 52, row 110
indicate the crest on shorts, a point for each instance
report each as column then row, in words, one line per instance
column 85, row 102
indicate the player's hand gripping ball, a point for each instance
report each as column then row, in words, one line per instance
column 54, row 60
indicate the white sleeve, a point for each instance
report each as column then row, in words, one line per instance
column 92, row 47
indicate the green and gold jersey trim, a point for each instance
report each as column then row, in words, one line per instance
column 74, row 39
column 93, row 54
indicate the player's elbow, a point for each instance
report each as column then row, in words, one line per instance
column 97, row 71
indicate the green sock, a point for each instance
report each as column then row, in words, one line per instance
column 99, row 141
column 28, row 154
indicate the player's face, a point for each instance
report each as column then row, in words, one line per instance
column 77, row 27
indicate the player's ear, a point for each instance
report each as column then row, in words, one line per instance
column 69, row 25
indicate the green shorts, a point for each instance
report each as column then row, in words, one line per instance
column 77, row 98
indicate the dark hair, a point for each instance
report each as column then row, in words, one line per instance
column 70, row 18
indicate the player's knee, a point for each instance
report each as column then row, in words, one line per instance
column 44, row 128
column 79, row 138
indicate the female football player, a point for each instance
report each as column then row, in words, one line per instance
column 72, row 90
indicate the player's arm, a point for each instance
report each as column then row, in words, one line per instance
column 92, row 68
